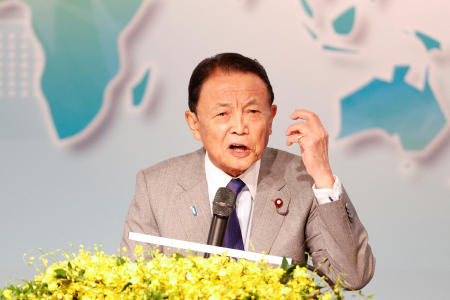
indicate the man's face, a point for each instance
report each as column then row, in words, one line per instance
column 233, row 120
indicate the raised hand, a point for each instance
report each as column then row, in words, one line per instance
column 313, row 140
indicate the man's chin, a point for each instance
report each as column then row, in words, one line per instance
column 234, row 172
column 238, row 169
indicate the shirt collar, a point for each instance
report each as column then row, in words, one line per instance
column 217, row 178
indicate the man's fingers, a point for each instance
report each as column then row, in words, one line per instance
column 295, row 138
column 299, row 127
column 306, row 115
column 303, row 114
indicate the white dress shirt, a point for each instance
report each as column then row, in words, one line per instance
column 216, row 178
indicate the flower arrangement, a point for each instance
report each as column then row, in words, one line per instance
column 87, row 274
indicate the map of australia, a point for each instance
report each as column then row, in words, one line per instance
column 80, row 42
column 395, row 107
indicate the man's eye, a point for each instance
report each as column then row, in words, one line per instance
column 222, row 114
column 254, row 111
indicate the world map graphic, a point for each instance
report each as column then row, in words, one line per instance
column 395, row 106
column 80, row 44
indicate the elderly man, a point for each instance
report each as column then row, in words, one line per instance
column 286, row 204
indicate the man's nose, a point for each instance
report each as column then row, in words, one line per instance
column 239, row 124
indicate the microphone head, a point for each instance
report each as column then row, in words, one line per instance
column 223, row 202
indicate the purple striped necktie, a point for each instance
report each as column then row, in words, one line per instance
column 233, row 235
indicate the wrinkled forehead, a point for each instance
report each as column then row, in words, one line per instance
column 230, row 84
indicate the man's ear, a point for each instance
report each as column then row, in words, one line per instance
column 273, row 112
column 193, row 123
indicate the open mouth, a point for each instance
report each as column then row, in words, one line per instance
column 238, row 147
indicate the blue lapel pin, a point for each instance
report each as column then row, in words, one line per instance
column 194, row 210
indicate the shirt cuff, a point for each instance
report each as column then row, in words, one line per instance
column 324, row 196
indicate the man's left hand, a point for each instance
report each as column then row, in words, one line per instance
column 313, row 140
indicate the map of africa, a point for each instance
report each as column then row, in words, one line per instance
column 79, row 39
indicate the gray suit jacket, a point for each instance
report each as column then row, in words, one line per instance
column 332, row 233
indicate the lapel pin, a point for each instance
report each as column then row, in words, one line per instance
column 278, row 202
column 194, row 210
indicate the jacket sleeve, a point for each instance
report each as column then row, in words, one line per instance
column 338, row 243
column 140, row 217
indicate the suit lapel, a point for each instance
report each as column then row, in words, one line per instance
column 194, row 197
column 267, row 219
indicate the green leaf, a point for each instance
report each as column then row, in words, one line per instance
column 69, row 265
column 120, row 260
column 155, row 295
column 284, row 264
column 80, row 275
column 288, row 274
column 61, row 274
column 178, row 256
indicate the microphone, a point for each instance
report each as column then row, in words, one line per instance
column 223, row 205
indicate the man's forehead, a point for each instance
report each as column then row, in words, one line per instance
column 233, row 85
column 229, row 75
column 229, row 103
